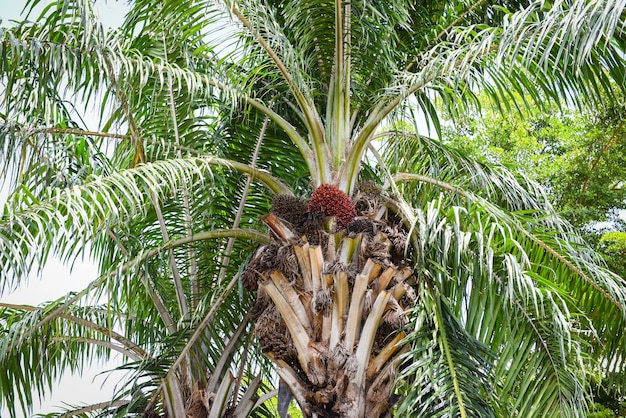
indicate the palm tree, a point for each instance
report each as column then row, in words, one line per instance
column 269, row 222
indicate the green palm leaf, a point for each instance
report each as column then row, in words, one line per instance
column 207, row 110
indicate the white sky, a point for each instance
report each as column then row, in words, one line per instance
column 58, row 279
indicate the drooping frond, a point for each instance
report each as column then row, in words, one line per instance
column 517, row 243
column 485, row 55
column 66, row 220
column 72, row 340
column 521, row 328
column 448, row 371
column 72, row 336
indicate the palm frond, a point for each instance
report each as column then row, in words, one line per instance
column 523, row 320
column 454, row 68
column 68, row 219
column 70, row 341
column 545, row 276
column 448, row 371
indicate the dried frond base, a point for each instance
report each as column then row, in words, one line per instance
column 333, row 313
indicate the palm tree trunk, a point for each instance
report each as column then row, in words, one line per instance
column 331, row 315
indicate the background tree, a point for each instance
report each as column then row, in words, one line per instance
column 450, row 286
column 577, row 155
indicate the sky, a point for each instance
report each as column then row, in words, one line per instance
column 57, row 279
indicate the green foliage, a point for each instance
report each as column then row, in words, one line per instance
column 577, row 156
column 615, row 243
column 613, row 246
column 599, row 411
column 207, row 110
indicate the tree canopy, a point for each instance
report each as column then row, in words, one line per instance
column 208, row 112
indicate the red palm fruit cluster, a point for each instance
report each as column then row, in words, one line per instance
column 331, row 201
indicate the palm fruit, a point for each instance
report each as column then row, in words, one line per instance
column 331, row 201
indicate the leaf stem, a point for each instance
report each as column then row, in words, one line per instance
column 446, row 349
